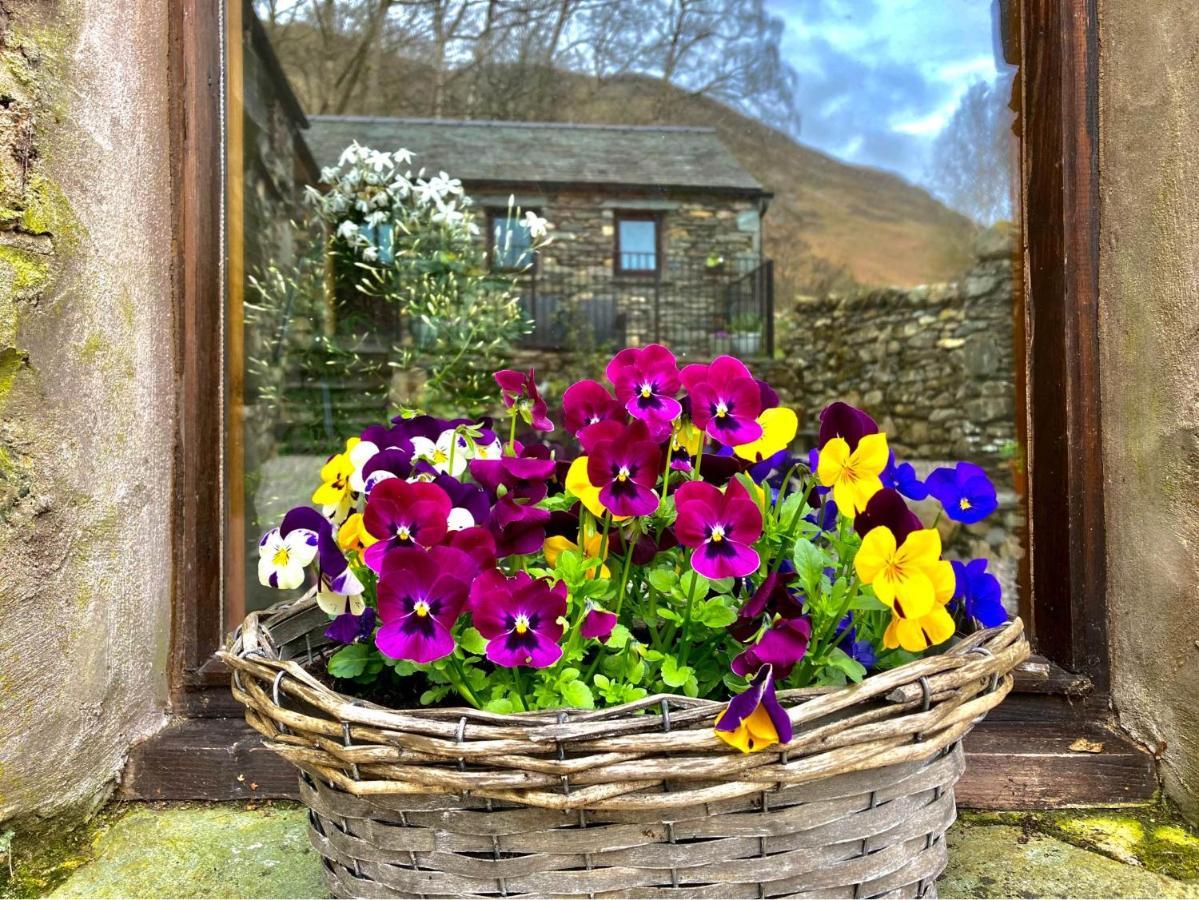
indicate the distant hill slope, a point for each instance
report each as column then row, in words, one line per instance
column 829, row 224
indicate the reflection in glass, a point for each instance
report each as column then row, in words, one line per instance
column 823, row 187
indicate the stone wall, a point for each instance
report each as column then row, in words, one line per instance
column 87, row 417
column 1149, row 331
column 934, row 364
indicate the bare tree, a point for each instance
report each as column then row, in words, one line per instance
column 971, row 162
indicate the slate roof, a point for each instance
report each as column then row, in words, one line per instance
column 545, row 153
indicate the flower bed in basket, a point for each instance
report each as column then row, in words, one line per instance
column 663, row 657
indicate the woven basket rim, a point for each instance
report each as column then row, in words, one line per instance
column 896, row 716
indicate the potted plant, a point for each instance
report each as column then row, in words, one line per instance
column 747, row 334
column 671, row 659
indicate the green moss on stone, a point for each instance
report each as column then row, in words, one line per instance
column 45, row 855
column 30, row 271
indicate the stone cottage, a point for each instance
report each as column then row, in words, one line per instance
column 657, row 229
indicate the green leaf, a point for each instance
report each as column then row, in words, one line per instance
column 577, row 694
column 663, row 580
column 809, row 561
column 843, row 662
column 601, row 681
column 619, row 637
column 499, row 705
column 674, row 675
column 668, row 614
column 350, row 661
column 692, row 581
column 473, row 642
column 716, row 614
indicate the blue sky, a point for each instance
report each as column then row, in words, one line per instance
column 879, row 79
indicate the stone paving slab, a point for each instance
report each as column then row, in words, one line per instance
column 234, row 851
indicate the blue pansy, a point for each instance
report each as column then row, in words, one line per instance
column 979, row 591
column 902, row 477
column 964, row 491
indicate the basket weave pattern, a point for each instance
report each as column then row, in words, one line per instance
column 639, row 800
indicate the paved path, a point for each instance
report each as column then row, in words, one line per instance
column 231, row 851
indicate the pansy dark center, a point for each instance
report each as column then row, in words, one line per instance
column 964, row 503
column 717, row 533
column 403, row 532
column 522, row 624
column 722, row 409
column 281, row 556
column 421, row 608
column 623, row 474
column 647, row 390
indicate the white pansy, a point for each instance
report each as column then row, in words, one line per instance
column 460, row 519
column 281, row 560
column 360, row 454
column 348, row 229
column 494, row 450
column 441, row 454
column 402, row 157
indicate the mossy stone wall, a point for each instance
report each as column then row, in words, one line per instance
column 86, row 395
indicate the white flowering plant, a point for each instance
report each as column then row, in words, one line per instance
column 412, row 240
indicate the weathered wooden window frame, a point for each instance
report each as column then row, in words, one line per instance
column 1016, row 758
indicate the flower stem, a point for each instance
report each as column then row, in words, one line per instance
column 699, row 457
column 606, row 524
column 459, row 682
column 666, row 468
column 518, row 685
column 624, row 573
column 512, row 434
column 687, row 613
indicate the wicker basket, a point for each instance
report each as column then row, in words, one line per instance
column 640, row 800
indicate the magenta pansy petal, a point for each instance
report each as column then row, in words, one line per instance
column 727, row 559
column 598, row 624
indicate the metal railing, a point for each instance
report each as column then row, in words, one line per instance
column 694, row 308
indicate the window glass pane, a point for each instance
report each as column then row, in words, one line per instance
column 510, row 243
column 638, row 244
column 823, row 188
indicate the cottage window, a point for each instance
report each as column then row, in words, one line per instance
column 637, row 243
column 227, row 480
column 509, row 240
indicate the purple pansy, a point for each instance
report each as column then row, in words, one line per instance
column 979, row 592
column 401, row 514
column 470, row 505
column 720, row 527
column 646, row 381
column 520, row 617
column 390, row 463
column 759, row 694
column 844, row 421
column 725, row 400
column 965, row 492
column 774, row 597
column 519, row 389
column 587, row 403
column 887, row 508
column 598, row 623
column 349, row 628
column 421, row 593
column 625, row 468
column 781, row 646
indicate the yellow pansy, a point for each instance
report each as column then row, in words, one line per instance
column 756, row 731
column 580, row 486
column 854, row 477
column 902, row 576
column 334, row 491
column 555, row 544
column 353, row 536
column 686, row 439
column 935, row 627
column 778, row 431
